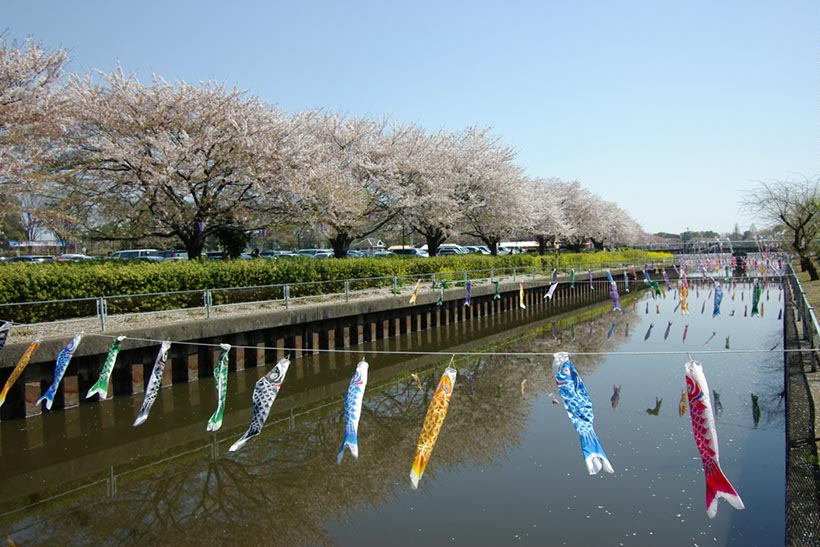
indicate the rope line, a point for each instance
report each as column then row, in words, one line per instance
column 470, row 353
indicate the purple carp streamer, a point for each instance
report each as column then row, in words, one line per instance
column 433, row 421
column 666, row 279
column 551, row 291
column 101, row 387
column 5, row 328
column 469, row 291
column 591, row 286
column 579, row 410
column 154, row 383
column 267, row 387
column 221, row 379
column 353, row 411
column 59, row 370
column 18, row 370
column 613, row 293
column 626, row 281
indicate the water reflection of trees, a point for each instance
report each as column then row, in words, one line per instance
column 285, row 486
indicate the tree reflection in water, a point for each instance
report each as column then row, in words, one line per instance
column 286, row 486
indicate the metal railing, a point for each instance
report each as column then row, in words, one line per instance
column 197, row 303
column 806, row 315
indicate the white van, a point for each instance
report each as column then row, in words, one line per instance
column 137, row 254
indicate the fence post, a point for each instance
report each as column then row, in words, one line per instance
column 208, row 302
column 287, row 296
column 492, row 275
column 514, row 274
column 395, row 285
column 434, row 282
column 101, row 311
column 347, row 290
column 112, row 482
column 465, row 278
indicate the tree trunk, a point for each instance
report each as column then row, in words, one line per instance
column 434, row 237
column 492, row 243
column 807, row 265
column 542, row 245
column 340, row 243
column 194, row 242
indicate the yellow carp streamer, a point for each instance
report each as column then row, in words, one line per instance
column 415, row 292
column 432, row 424
column 684, row 294
column 18, row 370
column 521, row 297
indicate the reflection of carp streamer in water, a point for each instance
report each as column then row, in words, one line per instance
column 755, row 409
column 616, row 396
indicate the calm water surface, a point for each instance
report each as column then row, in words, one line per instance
column 507, row 468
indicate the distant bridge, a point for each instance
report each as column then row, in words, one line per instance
column 687, row 247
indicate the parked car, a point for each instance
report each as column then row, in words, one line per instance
column 137, row 254
column 31, row 258
column 74, row 258
column 324, row 254
column 215, row 255
column 277, row 254
column 177, row 254
column 409, row 251
column 312, row 252
column 478, row 249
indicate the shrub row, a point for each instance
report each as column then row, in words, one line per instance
column 20, row 282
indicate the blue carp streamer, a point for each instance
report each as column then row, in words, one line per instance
column 59, row 370
column 579, row 409
column 353, row 411
column 718, row 300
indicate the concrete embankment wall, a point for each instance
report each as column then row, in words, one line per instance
column 260, row 339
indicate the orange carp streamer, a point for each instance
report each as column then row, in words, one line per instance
column 436, row 413
column 18, row 370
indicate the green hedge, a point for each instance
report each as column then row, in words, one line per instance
column 20, row 282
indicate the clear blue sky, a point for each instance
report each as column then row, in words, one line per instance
column 671, row 109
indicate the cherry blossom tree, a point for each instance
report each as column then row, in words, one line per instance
column 351, row 187
column 171, row 160
column 29, row 111
column 428, row 201
column 488, row 187
column 542, row 200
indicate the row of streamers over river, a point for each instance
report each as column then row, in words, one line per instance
column 704, row 406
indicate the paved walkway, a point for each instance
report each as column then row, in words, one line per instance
column 802, row 387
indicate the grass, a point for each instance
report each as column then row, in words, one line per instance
column 812, row 288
